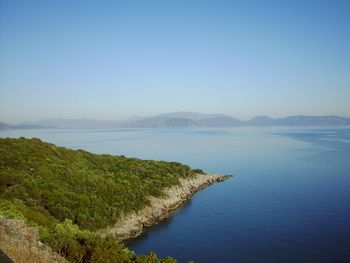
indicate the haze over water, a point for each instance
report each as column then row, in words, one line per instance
column 288, row 201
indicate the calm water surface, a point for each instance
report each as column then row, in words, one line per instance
column 288, row 202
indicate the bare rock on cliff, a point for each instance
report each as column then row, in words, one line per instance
column 21, row 243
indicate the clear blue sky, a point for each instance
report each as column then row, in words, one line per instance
column 114, row 59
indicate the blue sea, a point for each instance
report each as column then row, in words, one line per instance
column 289, row 199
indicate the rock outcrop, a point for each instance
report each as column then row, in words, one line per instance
column 132, row 225
column 21, row 243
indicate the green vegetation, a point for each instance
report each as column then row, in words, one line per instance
column 69, row 194
column 84, row 246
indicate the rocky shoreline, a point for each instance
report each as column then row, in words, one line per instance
column 133, row 224
column 21, row 242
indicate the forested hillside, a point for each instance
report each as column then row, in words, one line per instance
column 69, row 194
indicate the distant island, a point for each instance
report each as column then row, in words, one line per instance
column 82, row 205
column 181, row 120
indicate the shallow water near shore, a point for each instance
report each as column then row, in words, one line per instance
column 288, row 201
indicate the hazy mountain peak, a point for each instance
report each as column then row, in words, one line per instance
column 188, row 115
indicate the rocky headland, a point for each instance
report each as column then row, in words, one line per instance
column 133, row 224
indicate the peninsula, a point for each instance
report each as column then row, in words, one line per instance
column 82, row 205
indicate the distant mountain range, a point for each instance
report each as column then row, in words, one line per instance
column 4, row 126
column 182, row 120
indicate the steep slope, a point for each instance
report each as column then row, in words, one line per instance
column 132, row 225
column 55, row 183
column 21, row 243
column 70, row 194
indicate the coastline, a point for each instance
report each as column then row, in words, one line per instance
column 132, row 225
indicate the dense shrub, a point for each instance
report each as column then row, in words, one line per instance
column 9, row 210
column 83, row 246
column 68, row 194
column 91, row 190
